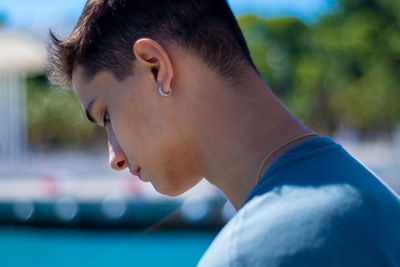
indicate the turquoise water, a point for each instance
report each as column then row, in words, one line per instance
column 21, row 247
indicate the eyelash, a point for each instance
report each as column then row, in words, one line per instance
column 106, row 119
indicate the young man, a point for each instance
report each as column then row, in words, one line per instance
column 173, row 84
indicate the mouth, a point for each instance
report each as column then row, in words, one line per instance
column 135, row 170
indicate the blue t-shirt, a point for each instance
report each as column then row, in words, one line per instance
column 314, row 206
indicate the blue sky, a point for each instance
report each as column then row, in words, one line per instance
column 25, row 13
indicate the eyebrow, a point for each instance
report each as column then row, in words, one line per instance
column 88, row 112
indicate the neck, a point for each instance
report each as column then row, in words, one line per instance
column 236, row 132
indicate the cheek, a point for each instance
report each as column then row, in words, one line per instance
column 174, row 169
column 150, row 131
column 129, row 123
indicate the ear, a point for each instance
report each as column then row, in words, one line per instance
column 154, row 57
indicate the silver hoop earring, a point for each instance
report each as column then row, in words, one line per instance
column 160, row 90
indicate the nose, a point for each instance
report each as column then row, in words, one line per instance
column 117, row 157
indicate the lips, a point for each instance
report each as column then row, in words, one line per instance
column 135, row 171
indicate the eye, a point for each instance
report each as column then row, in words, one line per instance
column 106, row 119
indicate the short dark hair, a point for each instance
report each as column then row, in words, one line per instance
column 104, row 35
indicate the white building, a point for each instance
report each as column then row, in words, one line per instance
column 20, row 56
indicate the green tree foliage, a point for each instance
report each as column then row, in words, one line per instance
column 343, row 69
column 56, row 120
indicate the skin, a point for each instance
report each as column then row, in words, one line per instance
column 207, row 128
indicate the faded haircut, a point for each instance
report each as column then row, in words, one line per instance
column 104, row 35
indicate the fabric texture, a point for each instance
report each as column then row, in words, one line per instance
column 314, row 206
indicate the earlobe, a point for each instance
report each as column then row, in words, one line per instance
column 161, row 91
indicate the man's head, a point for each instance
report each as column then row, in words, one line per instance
column 107, row 29
column 121, row 51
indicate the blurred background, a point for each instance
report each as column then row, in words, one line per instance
column 335, row 64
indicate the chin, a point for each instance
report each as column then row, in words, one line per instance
column 171, row 190
column 174, row 184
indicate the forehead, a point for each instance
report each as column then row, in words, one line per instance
column 86, row 89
